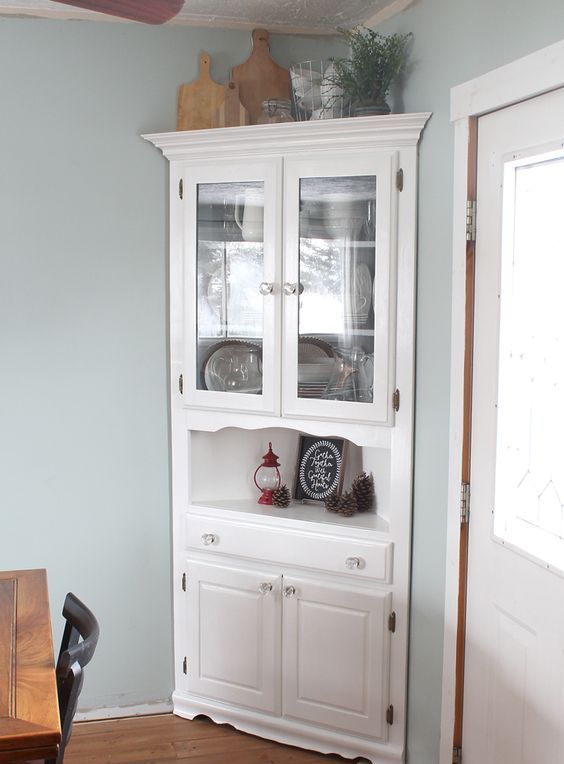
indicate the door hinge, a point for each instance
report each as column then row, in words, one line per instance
column 185, row 665
column 470, row 220
column 181, row 188
column 184, row 582
column 396, row 400
column 464, row 503
column 399, row 179
column 181, row 384
column 392, row 621
column 456, row 755
column 390, row 714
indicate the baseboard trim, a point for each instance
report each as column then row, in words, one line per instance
column 119, row 712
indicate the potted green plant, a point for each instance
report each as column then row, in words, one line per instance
column 375, row 61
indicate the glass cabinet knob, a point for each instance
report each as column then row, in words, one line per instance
column 266, row 288
column 352, row 563
column 289, row 591
column 290, row 288
column 265, row 588
column 209, row 538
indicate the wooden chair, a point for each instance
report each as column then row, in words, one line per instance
column 77, row 648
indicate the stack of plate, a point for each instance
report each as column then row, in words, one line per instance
column 311, row 390
column 313, row 377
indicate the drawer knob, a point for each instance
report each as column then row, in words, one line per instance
column 289, row 591
column 352, row 563
column 209, row 538
column 265, row 588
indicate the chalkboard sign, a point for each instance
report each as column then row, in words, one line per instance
column 320, row 468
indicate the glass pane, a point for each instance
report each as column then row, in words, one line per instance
column 230, row 258
column 529, row 492
column 336, row 273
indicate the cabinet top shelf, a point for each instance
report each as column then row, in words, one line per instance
column 297, row 514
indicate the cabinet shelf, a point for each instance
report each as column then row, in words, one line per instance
column 298, row 513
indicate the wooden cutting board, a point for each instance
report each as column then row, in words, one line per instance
column 199, row 100
column 260, row 77
column 232, row 113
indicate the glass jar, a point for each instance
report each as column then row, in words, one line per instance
column 275, row 110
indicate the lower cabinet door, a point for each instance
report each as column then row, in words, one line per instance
column 336, row 656
column 233, row 628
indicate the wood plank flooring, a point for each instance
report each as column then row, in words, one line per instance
column 165, row 738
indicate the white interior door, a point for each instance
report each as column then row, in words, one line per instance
column 514, row 671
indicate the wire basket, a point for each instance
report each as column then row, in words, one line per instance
column 316, row 96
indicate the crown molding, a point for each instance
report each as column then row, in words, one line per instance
column 352, row 132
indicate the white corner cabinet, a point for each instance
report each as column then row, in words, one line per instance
column 292, row 285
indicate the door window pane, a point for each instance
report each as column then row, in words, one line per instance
column 529, row 491
column 336, row 285
column 230, row 264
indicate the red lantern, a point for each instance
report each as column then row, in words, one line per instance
column 267, row 476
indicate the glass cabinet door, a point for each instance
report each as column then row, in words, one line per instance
column 231, row 286
column 337, row 287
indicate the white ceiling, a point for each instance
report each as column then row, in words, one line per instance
column 289, row 16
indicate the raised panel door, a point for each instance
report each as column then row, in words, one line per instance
column 336, row 656
column 233, row 635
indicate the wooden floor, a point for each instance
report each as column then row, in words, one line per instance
column 166, row 738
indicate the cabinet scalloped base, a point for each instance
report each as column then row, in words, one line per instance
column 286, row 731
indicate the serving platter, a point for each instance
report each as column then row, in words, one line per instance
column 233, row 366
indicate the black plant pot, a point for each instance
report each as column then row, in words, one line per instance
column 370, row 110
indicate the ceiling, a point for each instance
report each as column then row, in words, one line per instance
column 284, row 16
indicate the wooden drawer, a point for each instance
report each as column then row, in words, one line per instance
column 325, row 552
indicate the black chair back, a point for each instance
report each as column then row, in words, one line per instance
column 79, row 641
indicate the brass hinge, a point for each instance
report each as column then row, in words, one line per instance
column 456, row 755
column 185, row 665
column 399, row 179
column 392, row 621
column 470, row 220
column 184, row 582
column 390, row 714
column 181, row 188
column 396, row 400
column 464, row 503
column 181, row 384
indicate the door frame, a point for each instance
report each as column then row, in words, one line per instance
column 532, row 75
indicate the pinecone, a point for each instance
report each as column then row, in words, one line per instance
column 281, row 496
column 347, row 506
column 363, row 490
column 333, row 502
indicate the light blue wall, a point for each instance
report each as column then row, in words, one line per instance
column 454, row 41
column 84, row 463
